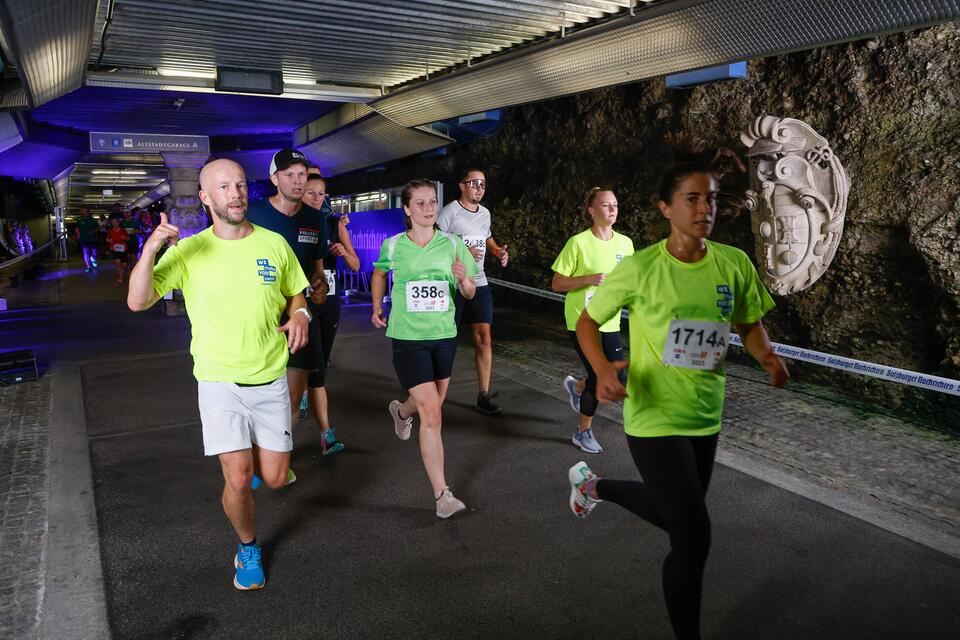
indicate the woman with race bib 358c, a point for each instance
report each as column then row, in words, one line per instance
column 683, row 295
column 428, row 266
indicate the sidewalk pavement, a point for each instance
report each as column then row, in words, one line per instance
column 857, row 457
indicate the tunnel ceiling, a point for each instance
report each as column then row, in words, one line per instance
column 149, row 67
column 177, row 112
column 128, row 176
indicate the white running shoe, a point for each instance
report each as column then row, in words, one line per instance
column 570, row 386
column 401, row 426
column 447, row 505
column 580, row 503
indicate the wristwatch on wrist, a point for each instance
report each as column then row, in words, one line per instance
column 305, row 312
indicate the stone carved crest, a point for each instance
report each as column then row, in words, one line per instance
column 797, row 199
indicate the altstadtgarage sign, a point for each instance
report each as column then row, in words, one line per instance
column 101, row 142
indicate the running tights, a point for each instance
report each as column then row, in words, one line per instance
column 676, row 473
column 613, row 350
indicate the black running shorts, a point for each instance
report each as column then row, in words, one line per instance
column 477, row 310
column 419, row 361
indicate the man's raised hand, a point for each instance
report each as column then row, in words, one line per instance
column 164, row 233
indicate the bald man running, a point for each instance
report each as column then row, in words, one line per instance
column 237, row 278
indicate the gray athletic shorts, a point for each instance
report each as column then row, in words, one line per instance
column 235, row 417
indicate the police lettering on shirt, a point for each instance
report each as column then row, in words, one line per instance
column 309, row 236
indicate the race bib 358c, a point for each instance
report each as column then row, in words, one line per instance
column 428, row 296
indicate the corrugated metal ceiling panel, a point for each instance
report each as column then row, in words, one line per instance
column 338, row 41
column 675, row 37
column 370, row 141
column 49, row 43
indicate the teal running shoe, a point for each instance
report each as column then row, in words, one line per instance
column 304, row 405
column 329, row 444
column 249, row 574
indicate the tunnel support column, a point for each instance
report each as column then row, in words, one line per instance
column 183, row 206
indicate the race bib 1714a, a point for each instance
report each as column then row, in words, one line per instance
column 696, row 344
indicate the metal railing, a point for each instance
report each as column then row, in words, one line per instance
column 61, row 249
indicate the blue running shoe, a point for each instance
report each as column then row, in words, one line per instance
column 570, row 386
column 587, row 442
column 249, row 574
column 255, row 482
column 304, row 404
column 329, row 444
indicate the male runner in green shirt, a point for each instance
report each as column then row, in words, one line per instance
column 87, row 234
column 236, row 279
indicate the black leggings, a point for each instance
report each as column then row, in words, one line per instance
column 676, row 473
column 613, row 351
column 328, row 319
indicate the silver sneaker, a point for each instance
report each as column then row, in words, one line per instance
column 570, row 386
column 580, row 503
column 586, row 441
column 401, row 426
column 447, row 505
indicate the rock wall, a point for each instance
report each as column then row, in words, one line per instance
column 889, row 107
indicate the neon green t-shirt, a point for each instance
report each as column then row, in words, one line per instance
column 235, row 291
column 583, row 255
column 656, row 288
column 431, row 263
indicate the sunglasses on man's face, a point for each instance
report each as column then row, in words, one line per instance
column 476, row 183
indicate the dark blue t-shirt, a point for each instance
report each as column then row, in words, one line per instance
column 305, row 232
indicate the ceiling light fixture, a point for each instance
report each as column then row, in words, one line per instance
column 186, row 73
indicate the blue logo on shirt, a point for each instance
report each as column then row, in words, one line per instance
column 726, row 301
column 266, row 271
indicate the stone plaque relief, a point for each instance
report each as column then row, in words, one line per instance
column 185, row 213
column 183, row 203
column 797, row 199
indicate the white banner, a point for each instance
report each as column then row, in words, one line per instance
column 893, row 374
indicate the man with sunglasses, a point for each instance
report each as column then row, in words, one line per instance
column 467, row 218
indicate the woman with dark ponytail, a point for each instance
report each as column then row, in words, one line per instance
column 684, row 294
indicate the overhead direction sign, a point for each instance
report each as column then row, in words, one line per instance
column 109, row 142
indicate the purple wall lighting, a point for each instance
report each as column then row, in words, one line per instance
column 34, row 160
column 368, row 230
